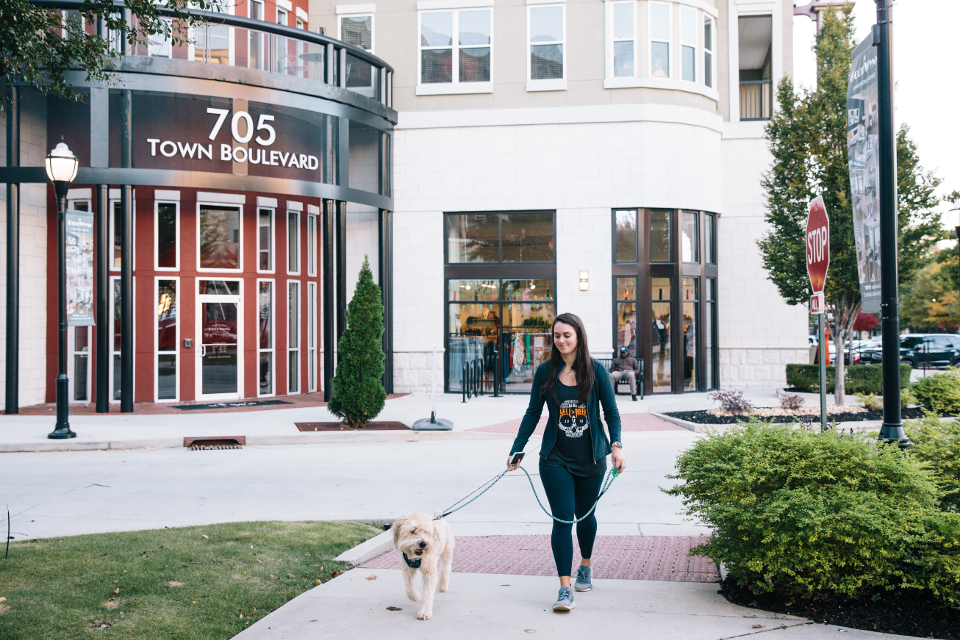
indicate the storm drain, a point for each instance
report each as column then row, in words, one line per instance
column 213, row 443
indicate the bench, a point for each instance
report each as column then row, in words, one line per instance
column 606, row 362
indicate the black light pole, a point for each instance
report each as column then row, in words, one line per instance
column 892, row 429
column 62, row 169
column 955, row 214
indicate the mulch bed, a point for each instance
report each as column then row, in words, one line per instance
column 339, row 426
column 908, row 612
column 705, row 417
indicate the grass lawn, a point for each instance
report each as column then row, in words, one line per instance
column 201, row 583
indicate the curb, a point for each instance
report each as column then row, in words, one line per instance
column 316, row 438
column 368, row 550
column 692, row 426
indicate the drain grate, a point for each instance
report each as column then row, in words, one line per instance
column 213, row 443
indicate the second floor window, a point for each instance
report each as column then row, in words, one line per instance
column 708, row 51
column 688, row 44
column 358, row 31
column 546, row 38
column 455, row 46
column 624, row 40
column 659, row 40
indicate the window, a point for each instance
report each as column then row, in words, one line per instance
column 625, row 235
column 500, row 237
column 659, row 40
column 661, row 236
column 660, row 334
column 625, row 311
column 265, row 337
column 218, row 237
column 445, row 59
column 624, row 40
column 691, row 311
column 710, row 238
column 78, row 370
column 257, row 46
column 167, row 235
column 115, row 332
column 688, row 44
column 293, row 242
column 358, row 31
column 116, row 230
column 265, row 240
column 689, row 237
column 158, row 45
column 283, row 53
column 311, row 245
column 708, row 51
column 710, row 328
column 546, row 37
column 167, row 339
column 311, row 337
column 293, row 337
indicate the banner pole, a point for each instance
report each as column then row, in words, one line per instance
column 823, row 371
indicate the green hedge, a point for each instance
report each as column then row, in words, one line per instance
column 805, row 512
column 940, row 392
column 859, row 378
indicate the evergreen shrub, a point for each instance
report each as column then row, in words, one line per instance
column 804, row 512
column 939, row 393
column 358, row 394
column 806, row 377
column 859, row 378
column 936, row 442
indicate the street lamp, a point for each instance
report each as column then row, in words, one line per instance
column 62, row 169
column 953, row 215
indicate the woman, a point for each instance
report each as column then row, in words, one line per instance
column 573, row 456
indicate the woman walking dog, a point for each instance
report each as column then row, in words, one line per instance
column 573, row 456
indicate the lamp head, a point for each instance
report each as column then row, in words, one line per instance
column 62, row 165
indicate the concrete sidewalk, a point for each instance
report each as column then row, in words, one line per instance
column 482, row 606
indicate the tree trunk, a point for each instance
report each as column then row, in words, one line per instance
column 844, row 315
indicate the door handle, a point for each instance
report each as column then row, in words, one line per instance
column 203, row 351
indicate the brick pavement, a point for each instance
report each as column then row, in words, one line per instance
column 661, row 558
column 628, row 422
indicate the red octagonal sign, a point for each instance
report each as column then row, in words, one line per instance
column 818, row 244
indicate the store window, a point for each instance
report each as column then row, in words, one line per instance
column 688, row 44
column 624, row 39
column 293, row 337
column 710, row 238
column 708, row 51
column 709, row 334
column 78, row 343
column 660, row 40
column 311, row 337
column 311, row 245
column 116, row 230
column 625, row 312
column 625, row 235
column 168, row 232
column 661, row 236
column 547, row 30
column 689, row 236
column 167, row 339
column 218, row 238
column 265, row 348
column 293, row 242
column 691, row 313
column 500, row 237
column 660, row 334
column 461, row 59
column 265, row 240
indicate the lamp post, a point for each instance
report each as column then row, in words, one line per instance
column 62, row 169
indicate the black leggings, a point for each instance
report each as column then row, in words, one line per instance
column 568, row 495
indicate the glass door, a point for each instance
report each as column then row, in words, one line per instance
column 219, row 326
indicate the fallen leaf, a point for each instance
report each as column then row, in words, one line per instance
column 289, row 575
column 273, row 577
column 313, row 621
column 115, row 581
column 194, row 602
column 334, row 574
column 371, row 577
column 116, row 591
column 394, row 609
column 175, row 583
column 758, row 626
column 318, row 581
column 244, row 573
column 3, row 599
column 206, row 537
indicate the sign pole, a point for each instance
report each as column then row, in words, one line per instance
column 892, row 429
column 823, row 371
column 818, row 262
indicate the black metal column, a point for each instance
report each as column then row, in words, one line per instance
column 385, row 263
column 327, row 232
column 12, row 383
column 892, row 429
column 341, row 258
column 62, row 430
column 126, row 260
column 104, row 343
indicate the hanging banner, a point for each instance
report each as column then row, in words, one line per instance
column 863, row 156
column 79, row 268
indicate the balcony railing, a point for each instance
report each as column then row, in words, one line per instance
column 220, row 38
column 756, row 99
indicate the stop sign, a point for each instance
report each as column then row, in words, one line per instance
column 818, row 244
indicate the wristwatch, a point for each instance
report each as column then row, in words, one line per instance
column 616, row 443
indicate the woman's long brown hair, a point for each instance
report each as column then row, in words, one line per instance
column 582, row 364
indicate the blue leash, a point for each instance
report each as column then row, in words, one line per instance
column 611, row 476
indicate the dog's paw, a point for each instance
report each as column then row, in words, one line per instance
column 413, row 595
column 424, row 615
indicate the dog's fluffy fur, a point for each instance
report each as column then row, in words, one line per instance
column 418, row 532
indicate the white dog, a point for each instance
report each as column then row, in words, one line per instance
column 424, row 542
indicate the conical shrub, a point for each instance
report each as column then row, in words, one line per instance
column 358, row 394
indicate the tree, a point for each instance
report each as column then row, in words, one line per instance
column 358, row 394
column 931, row 299
column 39, row 45
column 808, row 142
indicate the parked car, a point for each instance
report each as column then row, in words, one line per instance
column 920, row 350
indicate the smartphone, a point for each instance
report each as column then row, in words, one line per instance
column 517, row 457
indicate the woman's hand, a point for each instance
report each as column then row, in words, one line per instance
column 618, row 459
column 511, row 467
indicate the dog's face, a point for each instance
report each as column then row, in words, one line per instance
column 415, row 534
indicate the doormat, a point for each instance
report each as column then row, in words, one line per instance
column 228, row 405
column 339, row 426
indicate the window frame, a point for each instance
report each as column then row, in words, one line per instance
column 312, row 244
column 547, row 84
column 112, row 205
column 692, row 12
column 650, row 40
column 156, row 235
column 612, row 39
column 272, row 350
column 114, row 352
column 373, row 28
column 709, row 67
column 156, row 342
column 312, row 360
column 273, row 239
column 500, row 260
column 295, row 317
column 638, row 220
column 299, row 257
column 455, row 85
column 239, row 207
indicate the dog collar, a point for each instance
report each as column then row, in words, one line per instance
column 413, row 564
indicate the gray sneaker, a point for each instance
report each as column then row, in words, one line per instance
column 584, row 579
column 564, row 600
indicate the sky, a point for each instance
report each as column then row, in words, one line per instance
column 927, row 96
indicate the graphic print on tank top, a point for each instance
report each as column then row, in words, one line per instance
column 573, row 418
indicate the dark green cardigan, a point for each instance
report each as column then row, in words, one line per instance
column 602, row 394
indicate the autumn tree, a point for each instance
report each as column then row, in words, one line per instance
column 808, row 141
